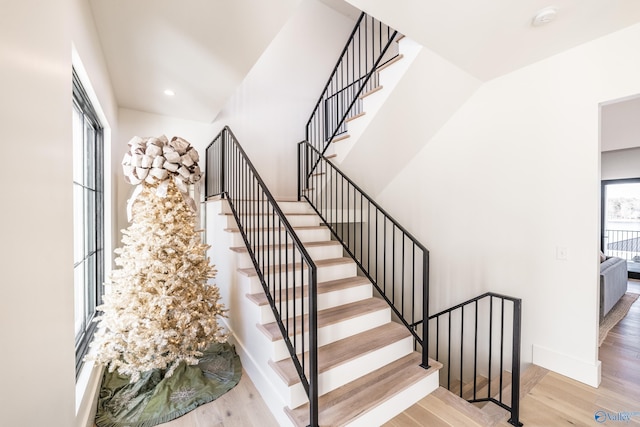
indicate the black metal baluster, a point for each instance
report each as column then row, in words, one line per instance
column 461, row 346
column 475, row 352
column 393, row 264
column 515, row 363
column 449, row 356
column 490, row 345
column 402, row 280
column 501, row 348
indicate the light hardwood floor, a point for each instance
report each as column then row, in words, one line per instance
column 242, row 406
column 554, row 401
column 559, row 401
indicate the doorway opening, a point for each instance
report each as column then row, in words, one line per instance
column 621, row 222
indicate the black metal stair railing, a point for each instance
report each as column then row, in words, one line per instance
column 456, row 331
column 395, row 262
column 398, row 266
column 286, row 271
column 368, row 47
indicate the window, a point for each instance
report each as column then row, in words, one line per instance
column 88, row 218
column 621, row 222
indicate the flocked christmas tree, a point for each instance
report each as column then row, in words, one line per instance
column 160, row 310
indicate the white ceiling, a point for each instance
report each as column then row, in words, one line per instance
column 202, row 49
column 489, row 38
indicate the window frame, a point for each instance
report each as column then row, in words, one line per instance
column 92, row 227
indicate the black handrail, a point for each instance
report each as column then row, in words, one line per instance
column 395, row 262
column 456, row 315
column 273, row 246
column 355, row 72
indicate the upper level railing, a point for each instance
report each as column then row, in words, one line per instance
column 355, row 74
column 481, row 370
column 623, row 244
column 396, row 263
column 286, row 271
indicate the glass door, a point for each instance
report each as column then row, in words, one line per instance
column 621, row 221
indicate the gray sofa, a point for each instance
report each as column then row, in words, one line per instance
column 613, row 283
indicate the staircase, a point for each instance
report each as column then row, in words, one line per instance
column 368, row 371
column 397, row 61
column 329, row 295
column 447, row 408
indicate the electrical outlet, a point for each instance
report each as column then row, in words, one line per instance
column 561, row 253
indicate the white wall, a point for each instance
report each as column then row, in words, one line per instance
column 269, row 111
column 429, row 93
column 620, row 164
column 36, row 310
column 620, row 127
column 512, row 177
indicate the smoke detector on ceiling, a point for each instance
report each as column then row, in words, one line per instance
column 544, row 16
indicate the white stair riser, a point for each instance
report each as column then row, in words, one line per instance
column 286, row 255
column 269, row 221
column 285, row 207
column 325, row 300
column 313, row 235
column 398, row 403
column 352, row 370
column 336, row 332
column 325, row 274
column 340, row 216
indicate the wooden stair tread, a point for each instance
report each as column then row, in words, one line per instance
column 305, row 227
column 528, row 379
column 454, row 410
column 327, row 317
column 251, row 272
column 243, row 249
column 390, row 62
column 341, row 137
column 467, row 388
column 344, row 350
column 273, row 213
column 371, row 92
column 323, row 287
column 346, row 403
column 355, row 116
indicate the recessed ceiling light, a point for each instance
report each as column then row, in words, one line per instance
column 169, row 92
column 544, row 16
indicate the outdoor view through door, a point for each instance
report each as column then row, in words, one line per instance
column 621, row 221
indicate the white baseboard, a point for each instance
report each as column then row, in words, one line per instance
column 579, row 370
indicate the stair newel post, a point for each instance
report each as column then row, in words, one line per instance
column 515, row 362
column 223, row 162
column 425, row 309
column 300, row 171
column 313, row 347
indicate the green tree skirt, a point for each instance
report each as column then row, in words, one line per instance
column 154, row 399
